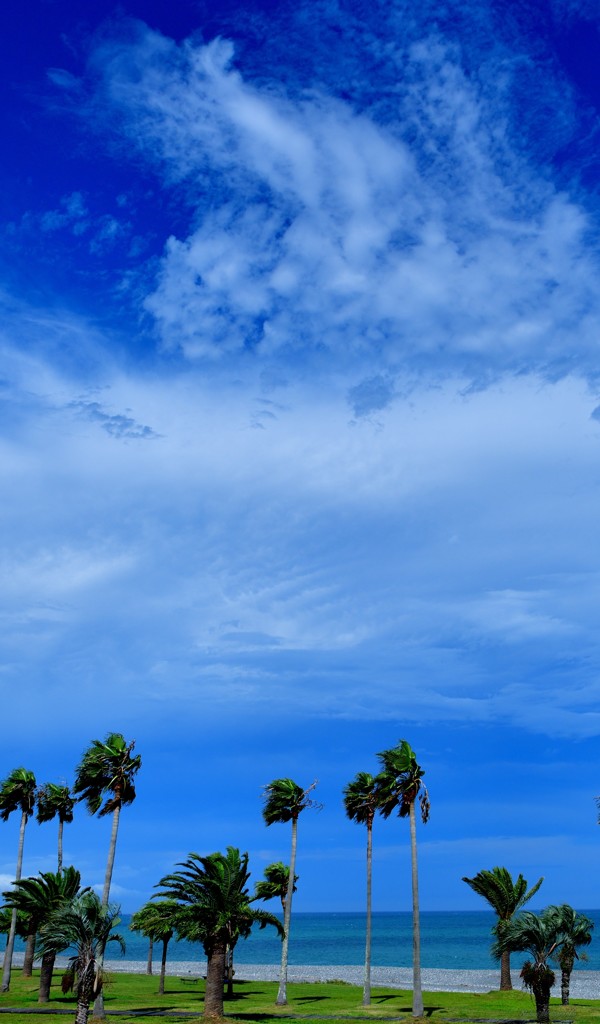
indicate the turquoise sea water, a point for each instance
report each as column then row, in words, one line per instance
column 459, row 940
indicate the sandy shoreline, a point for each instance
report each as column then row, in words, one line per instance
column 584, row 984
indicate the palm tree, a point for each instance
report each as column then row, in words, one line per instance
column 540, row 935
column 22, row 931
column 284, row 801
column 215, row 910
column 157, row 921
column 85, row 924
column 17, row 792
column 104, row 780
column 576, row 930
column 55, row 801
column 361, row 800
column 38, row 899
column 399, row 785
column 275, row 884
column 505, row 897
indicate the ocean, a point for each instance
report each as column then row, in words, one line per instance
column 452, row 940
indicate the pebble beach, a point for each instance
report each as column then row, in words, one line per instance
column 584, row 984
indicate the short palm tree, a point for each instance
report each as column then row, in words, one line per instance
column 284, row 801
column 275, row 884
column 87, row 925
column 505, row 896
column 361, row 800
column 399, row 786
column 55, row 801
column 37, row 899
column 17, row 793
column 104, row 780
column 157, row 921
column 215, row 909
column 576, row 931
column 539, row 935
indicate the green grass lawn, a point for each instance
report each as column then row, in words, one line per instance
column 254, row 1002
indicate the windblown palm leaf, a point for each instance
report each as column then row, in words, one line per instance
column 104, row 778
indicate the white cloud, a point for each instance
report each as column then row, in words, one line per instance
column 278, row 570
column 333, row 232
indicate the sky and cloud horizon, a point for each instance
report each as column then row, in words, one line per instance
column 300, row 407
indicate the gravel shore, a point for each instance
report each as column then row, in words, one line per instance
column 584, row 984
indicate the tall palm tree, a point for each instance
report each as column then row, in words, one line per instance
column 104, row 780
column 215, row 910
column 576, row 931
column 157, row 921
column 17, row 793
column 540, row 935
column 361, row 800
column 55, row 801
column 38, row 898
column 399, row 786
column 505, row 896
column 85, row 924
column 275, row 884
column 284, row 801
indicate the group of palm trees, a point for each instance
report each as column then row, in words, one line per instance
column 554, row 935
column 53, row 907
column 206, row 898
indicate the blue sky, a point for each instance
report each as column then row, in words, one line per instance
column 301, row 428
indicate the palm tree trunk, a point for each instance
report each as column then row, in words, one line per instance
column 213, row 996
column 83, row 1010
column 99, row 1001
column 541, row 995
column 150, row 952
column 163, row 968
column 10, row 945
column 505, row 978
column 565, row 985
column 111, row 853
column 46, row 972
column 282, row 992
column 60, row 845
column 417, row 993
column 367, row 985
column 29, row 954
column 229, row 971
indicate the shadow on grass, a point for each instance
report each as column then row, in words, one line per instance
column 238, row 996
